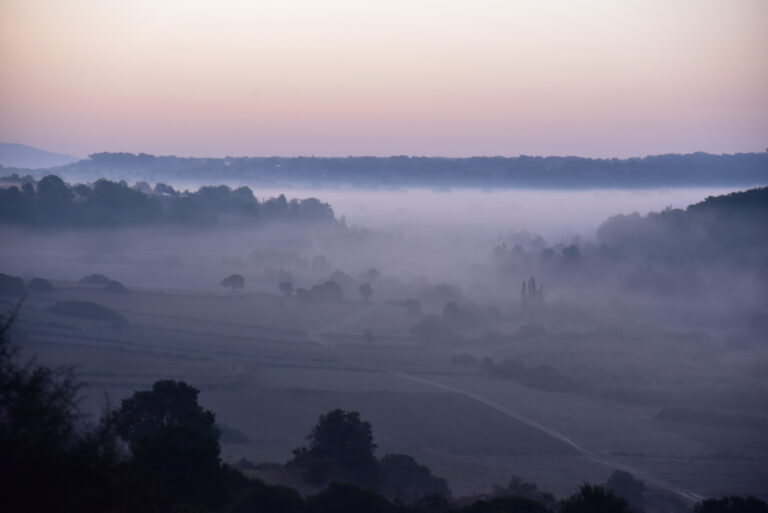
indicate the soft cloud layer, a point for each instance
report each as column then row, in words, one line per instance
column 205, row 77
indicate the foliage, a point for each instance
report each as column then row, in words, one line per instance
column 233, row 281
column 347, row 498
column 732, row 504
column 402, row 477
column 341, row 449
column 630, row 488
column 594, row 499
column 53, row 203
column 51, row 459
column 174, row 445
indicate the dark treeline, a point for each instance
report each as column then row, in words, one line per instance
column 50, row 202
column 160, row 451
column 522, row 171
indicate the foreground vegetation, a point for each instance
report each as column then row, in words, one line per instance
column 160, row 451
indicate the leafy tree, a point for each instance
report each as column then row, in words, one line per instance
column 732, row 504
column 594, row 499
column 52, row 460
column 402, row 477
column 341, row 448
column 372, row 273
column 630, row 488
column 327, row 291
column 265, row 498
column 347, row 498
column 517, row 487
column 174, row 444
column 286, row 288
column 233, row 281
column 507, row 505
column 366, row 291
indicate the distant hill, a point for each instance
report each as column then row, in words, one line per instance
column 695, row 169
column 18, row 155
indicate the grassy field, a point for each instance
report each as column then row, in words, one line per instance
column 268, row 366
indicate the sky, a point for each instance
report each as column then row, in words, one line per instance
column 599, row 78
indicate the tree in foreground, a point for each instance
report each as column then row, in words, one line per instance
column 348, row 498
column 630, row 488
column 341, row 449
column 51, row 458
column 594, row 499
column 402, row 477
column 233, row 281
column 174, row 444
column 732, row 504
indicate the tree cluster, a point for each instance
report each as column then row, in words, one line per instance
column 52, row 203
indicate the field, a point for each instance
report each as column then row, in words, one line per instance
column 269, row 365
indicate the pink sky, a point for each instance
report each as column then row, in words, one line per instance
column 419, row 77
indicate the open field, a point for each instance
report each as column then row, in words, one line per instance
column 268, row 366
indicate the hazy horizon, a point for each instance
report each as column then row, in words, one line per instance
column 593, row 79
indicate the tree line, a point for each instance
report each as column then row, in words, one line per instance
column 50, row 202
column 552, row 171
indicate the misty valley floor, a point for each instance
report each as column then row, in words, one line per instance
column 268, row 366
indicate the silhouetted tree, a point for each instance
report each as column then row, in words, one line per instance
column 51, row 459
column 594, row 499
column 174, row 444
column 402, row 477
column 630, row 488
column 732, row 504
column 233, row 281
column 366, row 291
column 341, row 448
column 348, row 498
column 286, row 288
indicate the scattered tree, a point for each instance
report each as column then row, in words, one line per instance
column 366, row 291
column 594, row 499
column 233, row 281
column 286, row 288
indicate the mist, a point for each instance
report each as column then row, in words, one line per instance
column 612, row 329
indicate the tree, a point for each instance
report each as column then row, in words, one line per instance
column 286, row 288
column 372, row 273
column 233, row 281
column 366, row 291
column 732, row 504
column 52, row 459
column 594, row 499
column 402, row 477
column 627, row 486
column 341, row 448
column 347, row 498
column 174, row 444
